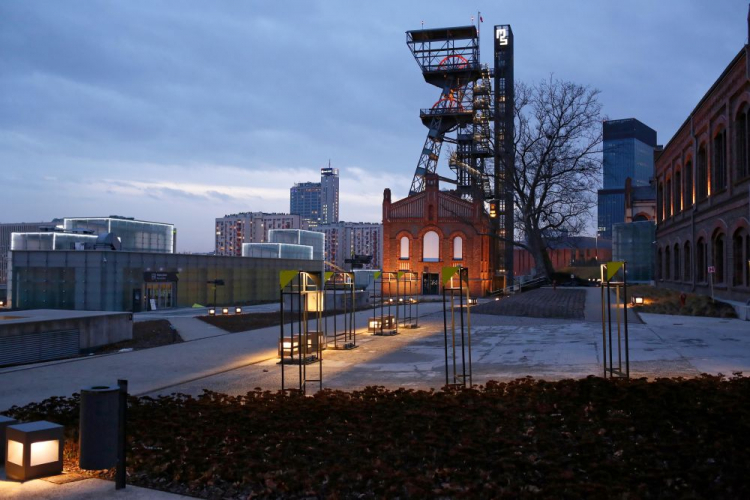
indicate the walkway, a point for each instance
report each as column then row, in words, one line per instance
column 503, row 348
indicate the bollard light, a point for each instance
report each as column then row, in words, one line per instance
column 225, row 310
column 34, row 450
column 473, row 301
column 212, row 312
column 238, row 310
column 637, row 300
column 4, row 423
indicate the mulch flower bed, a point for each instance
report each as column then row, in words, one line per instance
column 660, row 300
column 589, row 438
column 563, row 303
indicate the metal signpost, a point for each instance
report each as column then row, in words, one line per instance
column 387, row 322
column 609, row 272
column 344, row 333
column 301, row 338
column 457, row 334
column 408, row 299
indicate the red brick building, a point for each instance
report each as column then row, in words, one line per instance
column 703, row 193
column 433, row 229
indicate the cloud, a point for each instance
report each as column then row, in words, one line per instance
column 211, row 108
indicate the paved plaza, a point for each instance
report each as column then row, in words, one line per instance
column 503, row 348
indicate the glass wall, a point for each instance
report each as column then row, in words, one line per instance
column 277, row 251
column 300, row 237
column 96, row 280
column 50, row 241
column 634, row 243
column 611, row 210
column 135, row 235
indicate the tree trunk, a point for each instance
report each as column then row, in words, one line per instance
column 542, row 262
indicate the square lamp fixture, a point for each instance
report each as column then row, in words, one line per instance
column 473, row 301
column 238, row 310
column 212, row 312
column 4, row 423
column 225, row 310
column 33, row 450
column 381, row 322
column 637, row 300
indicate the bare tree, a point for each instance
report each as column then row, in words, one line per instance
column 558, row 139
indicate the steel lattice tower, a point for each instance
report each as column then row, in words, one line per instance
column 477, row 103
column 449, row 59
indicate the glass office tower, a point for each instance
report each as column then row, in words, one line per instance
column 628, row 152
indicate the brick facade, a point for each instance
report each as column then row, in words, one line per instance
column 450, row 217
column 703, row 193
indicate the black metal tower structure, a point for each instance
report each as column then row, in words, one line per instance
column 505, row 158
column 449, row 59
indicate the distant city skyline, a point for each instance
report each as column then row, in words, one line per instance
column 180, row 115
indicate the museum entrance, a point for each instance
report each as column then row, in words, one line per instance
column 430, row 283
column 159, row 296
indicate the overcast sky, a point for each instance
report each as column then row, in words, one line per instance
column 181, row 112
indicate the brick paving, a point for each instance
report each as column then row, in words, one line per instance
column 541, row 303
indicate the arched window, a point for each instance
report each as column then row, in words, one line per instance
column 701, row 182
column 742, row 130
column 677, row 268
column 660, row 202
column 667, row 264
column 700, row 260
column 404, row 253
column 688, row 184
column 668, row 199
column 739, row 257
column 717, row 254
column 686, row 258
column 719, row 167
column 659, row 274
column 458, row 248
column 677, row 192
column 431, row 247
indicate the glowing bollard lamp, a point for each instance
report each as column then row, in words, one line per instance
column 33, row 450
column 4, row 423
column 637, row 300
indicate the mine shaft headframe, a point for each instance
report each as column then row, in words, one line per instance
column 442, row 52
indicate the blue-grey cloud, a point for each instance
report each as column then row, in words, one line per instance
column 100, row 99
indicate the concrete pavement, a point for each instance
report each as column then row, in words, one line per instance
column 503, row 348
column 86, row 489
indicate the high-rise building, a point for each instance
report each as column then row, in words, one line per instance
column 344, row 240
column 304, row 200
column 329, row 195
column 250, row 227
column 628, row 153
column 318, row 202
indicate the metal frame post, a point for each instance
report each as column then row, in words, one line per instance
column 121, row 466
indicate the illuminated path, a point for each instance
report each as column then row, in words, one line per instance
column 504, row 348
